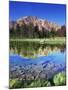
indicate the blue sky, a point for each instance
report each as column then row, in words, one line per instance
column 51, row 12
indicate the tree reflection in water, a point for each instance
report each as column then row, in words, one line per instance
column 34, row 49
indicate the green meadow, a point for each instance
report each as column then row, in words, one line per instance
column 57, row 40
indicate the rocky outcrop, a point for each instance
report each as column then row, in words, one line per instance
column 35, row 21
column 34, row 27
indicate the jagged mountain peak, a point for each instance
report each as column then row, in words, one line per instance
column 28, row 18
column 41, row 23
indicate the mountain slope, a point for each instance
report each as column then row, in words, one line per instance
column 34, row 27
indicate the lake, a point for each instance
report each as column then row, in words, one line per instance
column 34, row 49
column 33, row 61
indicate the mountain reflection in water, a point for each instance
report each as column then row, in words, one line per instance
column 33, row 50
column 34, row 60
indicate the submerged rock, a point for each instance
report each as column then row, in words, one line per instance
column 41, row 67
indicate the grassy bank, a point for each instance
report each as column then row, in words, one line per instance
column 57, row 40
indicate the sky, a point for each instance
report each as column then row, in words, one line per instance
column 52, row 12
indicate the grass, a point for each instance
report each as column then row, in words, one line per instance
column 58, row 80
column 57, row 40
column 28, row 83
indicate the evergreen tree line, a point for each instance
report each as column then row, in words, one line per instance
column 30, row 31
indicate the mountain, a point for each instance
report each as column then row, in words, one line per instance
column 32, row 27
column 41, row 23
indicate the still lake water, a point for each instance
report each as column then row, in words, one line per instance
column 32, row 56
column 34, row 49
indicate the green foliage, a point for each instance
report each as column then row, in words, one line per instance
column 31, row 31
column 53, row 33
column 59, row 79
column 15, row 83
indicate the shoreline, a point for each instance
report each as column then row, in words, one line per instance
column 57, row 40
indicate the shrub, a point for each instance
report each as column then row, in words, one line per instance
column 59, row 79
